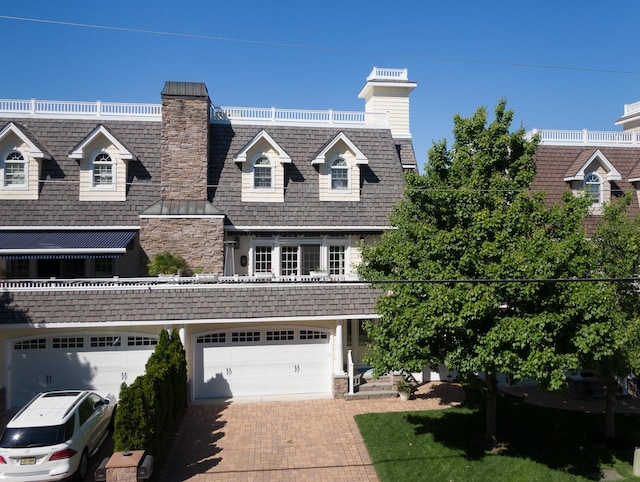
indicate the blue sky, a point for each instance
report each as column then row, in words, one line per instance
column 559, row 65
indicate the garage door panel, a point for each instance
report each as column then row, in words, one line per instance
column 76, row 361
column 270, row 362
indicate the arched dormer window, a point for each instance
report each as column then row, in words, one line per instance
column 339, row 174
column 102, row 167
column 593, row 187
column 262, row 173
column 15, row 169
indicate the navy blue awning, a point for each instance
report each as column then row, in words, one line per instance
column 64, row 244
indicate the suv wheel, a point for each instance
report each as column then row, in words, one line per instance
column 83, row 466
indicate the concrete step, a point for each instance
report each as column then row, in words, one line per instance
column 371, row 395
column 374, row 387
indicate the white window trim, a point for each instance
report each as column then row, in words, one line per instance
column 114, row 169
column 256, row 158
column 277, row 243
column 349, row 188
column 14, row 187
column 600, row 184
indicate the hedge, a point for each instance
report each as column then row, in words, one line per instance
column 149, row 408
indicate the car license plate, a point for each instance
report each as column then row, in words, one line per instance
column 28, row 461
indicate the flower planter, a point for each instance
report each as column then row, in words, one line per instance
column 404, row 396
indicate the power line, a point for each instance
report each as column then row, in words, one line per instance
column 319, row 48
column 505, row 280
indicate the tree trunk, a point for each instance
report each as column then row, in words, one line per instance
column 610, row 409
column 491, row 416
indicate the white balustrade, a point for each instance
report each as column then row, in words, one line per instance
column 586, row 137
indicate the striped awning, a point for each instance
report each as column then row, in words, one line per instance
column 64, row 244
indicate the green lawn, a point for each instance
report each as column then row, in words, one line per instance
column 539, row 445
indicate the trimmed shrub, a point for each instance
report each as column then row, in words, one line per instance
column 166, row 263
column 149, row 409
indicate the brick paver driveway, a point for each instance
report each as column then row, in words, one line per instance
column 312, row 440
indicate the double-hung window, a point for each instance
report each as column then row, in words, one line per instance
column 15, row 170
column 102, row 170
column 262, row 173
column 339, row 174
column 593, row 186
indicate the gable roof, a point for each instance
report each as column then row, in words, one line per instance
column 36, row 148
column 241, row 156
column 578, row 169
column 78, row 151
column 341, row 137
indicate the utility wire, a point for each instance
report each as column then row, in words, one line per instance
column 316, row 47
column 506, row 280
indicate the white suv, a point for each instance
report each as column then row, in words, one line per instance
column 54, row 435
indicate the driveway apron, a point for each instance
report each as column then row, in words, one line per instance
column 306, row 440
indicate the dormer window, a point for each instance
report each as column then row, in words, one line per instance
column 15, row 170
column 103, row 166
column 262, row 164
column 593, row 187
column 339, row 174
column 102, row 171
column 262, row 173
column 339, row 164
column 21, row 158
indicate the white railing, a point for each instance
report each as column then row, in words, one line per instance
column 252, row 115
column 241, row 115
column 163, row 280
column 379, row 73
column 631, row 108
column 60, row 108
column 585, row 137
column 350, row 371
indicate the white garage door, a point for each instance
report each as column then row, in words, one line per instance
column 238, row 363
column 97, row 361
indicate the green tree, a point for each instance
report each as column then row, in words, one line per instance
column 471, row 216
column 609, row 340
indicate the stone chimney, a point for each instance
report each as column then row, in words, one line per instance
column 387, row 90
column 185, row 140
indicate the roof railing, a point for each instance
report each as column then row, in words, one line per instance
column 153, row 112
column 253, row 115
column 61, row 108
column 549, row 137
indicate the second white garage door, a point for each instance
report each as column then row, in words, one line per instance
column 256, row 362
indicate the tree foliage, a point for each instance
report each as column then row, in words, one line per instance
column 472, row 216
column 610, row 340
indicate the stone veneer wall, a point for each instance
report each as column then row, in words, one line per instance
column 198, row 240
column 185, row 147
column 340, row 386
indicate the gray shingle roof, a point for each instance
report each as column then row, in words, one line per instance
column 215, row 302
column 59, row 189
column 382, row 180
column 554, row 163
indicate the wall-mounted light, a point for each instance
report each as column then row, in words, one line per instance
column 243, row 261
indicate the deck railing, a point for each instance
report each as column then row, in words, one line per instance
column 252, row 115
column 586, row 137
column 59, row 108
column 162, row 281
column 153, row 112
